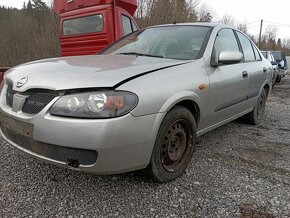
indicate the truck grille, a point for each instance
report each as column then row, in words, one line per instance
column 35, row 101
column 54, row 152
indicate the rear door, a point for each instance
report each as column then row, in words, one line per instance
column 255, row 67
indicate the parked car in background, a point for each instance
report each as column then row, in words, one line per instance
column 280, row 58
column 139, row 104
column 276, row 72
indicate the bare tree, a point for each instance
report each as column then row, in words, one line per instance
column 271, row 32
column 229, row 20
column 205, row 13
column 243, row 26
column 153, row 12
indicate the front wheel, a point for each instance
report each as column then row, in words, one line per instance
column 255, row 117
column 174, row 145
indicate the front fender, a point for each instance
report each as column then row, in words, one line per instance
column 170, row 103
column 179, row 97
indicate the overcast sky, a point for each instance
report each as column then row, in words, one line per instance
column 273, row 12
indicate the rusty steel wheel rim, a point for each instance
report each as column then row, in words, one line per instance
column 176, row 143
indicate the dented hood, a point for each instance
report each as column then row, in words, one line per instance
column 104, row 71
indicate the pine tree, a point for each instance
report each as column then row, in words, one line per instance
column 29, row 6
column 40, row 5
column 24, row 6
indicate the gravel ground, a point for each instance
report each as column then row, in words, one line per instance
column 237, row 171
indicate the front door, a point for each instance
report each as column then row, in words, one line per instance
column 228, row 83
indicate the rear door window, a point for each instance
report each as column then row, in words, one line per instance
column 83, row 25
column 247, row 47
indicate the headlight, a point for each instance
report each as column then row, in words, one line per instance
column 95, row 105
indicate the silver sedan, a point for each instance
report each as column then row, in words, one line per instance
column 140, row 104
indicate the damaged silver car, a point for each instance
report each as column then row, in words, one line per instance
column 140, row 104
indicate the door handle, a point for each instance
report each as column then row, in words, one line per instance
column 264, row 69
column 245, row 74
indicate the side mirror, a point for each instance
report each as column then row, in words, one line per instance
column 230, row 57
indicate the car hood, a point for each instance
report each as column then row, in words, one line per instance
column 104, row 71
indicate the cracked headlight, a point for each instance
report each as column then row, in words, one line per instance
column 107, row 104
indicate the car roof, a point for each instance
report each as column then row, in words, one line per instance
column 196, row 24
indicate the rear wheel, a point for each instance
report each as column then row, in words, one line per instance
column 174, row 145
column 255, row 117
column 278, row 79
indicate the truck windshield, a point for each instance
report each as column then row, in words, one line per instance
column 82, row 25
column 175, row 42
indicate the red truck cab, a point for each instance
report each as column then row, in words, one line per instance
column 88, row 26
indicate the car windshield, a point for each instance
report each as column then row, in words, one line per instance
column 175, row 42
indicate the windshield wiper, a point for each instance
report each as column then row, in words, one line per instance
column 140, row 54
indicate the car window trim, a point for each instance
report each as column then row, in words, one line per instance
column 212, row 53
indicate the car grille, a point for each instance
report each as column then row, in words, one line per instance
column 54, row 152
column 9, row 95
column 35, row 101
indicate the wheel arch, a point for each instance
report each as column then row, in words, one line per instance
column 193, row 107
column 187, row 99
column 267, row 89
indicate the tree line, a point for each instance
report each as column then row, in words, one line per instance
column 28, row 34
column 32, row 32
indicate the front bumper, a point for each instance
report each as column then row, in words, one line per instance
column 103, row 146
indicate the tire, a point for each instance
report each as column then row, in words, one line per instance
column 274, row 79
column 278, row 79
column 174, row 146
column 255, row 117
